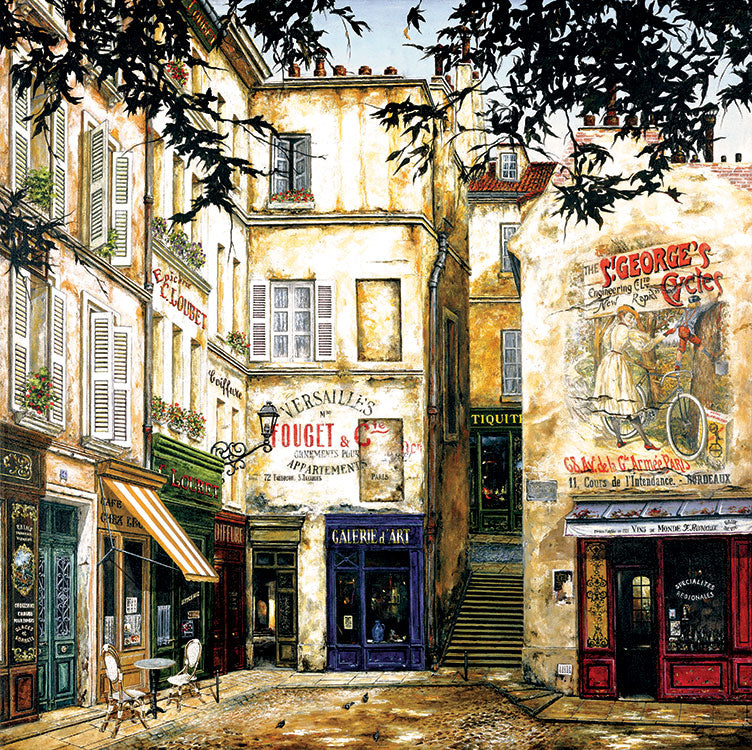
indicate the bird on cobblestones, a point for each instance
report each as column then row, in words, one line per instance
column 376, row 735
column 347, row 705
column 365, row 698
column 280, row 724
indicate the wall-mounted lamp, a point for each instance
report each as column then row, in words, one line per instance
column 233, row 455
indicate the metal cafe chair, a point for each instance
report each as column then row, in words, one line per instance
column 187, row 675
column 119, row 697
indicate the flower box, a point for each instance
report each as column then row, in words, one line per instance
column 178, row 243
column 38, row 395
column 238, row 342
column 195, row 425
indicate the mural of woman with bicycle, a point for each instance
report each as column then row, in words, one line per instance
column 615, row 393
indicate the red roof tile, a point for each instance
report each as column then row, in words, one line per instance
column 534, row 181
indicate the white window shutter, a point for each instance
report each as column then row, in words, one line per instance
column 58, row 355
column 59, row 163
column 121, row 385
column 21, row 136
column 98, row 183
column 325, row 349
column 121, row 207
column 259, row 350
column 100, row 355
column 20, row 338
column 280, row 165
column 302, row 164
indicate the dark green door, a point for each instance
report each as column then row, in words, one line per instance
column 58, row 533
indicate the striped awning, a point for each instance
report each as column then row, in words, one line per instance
column 151, row 512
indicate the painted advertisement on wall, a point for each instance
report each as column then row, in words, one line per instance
column 652, row 385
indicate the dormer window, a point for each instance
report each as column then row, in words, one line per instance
column 509, row 166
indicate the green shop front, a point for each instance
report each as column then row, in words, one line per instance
column 496, row 467
column 182, row 608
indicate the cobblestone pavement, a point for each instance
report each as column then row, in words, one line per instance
column 440, row 718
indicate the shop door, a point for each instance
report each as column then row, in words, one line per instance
column 58, row 532
column 275, row 607
column 636, row 637
column 229, row 618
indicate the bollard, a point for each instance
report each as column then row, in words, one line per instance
column 216, row 686
column 465, row 655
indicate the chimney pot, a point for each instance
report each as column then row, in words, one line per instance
column 438, row 65
column 695, row 159
column 738, row 157
column 364, row 70
column 492, row 168
column 679, row 156
column 340, row 70
column 320, row 71
column 632, row 121
column 611, row 120
column 723, row 157
column 293, row 71
column 589, row 121
column 476, row 75
column 390, row 71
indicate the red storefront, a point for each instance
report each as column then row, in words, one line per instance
column 665, row 599
column 229, row 613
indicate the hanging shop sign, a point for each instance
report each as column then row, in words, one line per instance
column 201, row 23
column 23, row 572
column 169, row 286
column 650, row 381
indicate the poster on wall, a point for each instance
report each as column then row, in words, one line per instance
column 23, row 570
column 651, row 387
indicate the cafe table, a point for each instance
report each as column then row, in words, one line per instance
column 154, row 667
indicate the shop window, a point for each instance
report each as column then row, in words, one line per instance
column 109, row 377
column 380, row 445
column 291, row 163
column 348, row 607
column 511, row 363
column 37, row 340
column 298, row 318
column 695, row 595
column 509, row 166
column 163, row 577
column 387, row 606
column 506, row 232
column 133, row 586
column 379, row 320
column 108, row 195
column 108, row 593
column 191, row 607
column 451, row 377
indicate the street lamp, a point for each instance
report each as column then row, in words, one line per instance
column 232, row 455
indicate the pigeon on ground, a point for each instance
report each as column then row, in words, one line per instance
column 376, row 735
column 365, row 698
column 280, row 724
column 347, row 705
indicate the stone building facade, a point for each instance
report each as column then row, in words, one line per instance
column 635, row 422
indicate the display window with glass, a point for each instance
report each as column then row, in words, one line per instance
column 696, row 579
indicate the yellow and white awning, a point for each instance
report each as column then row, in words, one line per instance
column 151, row 512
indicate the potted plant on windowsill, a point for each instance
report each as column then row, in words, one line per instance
column 292, row 199
column 178, row 71
column 178, row 243
column 176, row 417
column 158, row 410
column 39, row 396
column 238, row 342
column 195, row 423
column 39, row 188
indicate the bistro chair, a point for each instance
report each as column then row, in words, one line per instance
column 187, row 675
column 119, row 697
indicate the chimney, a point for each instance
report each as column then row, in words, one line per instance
column 364, row 70
column 695, row 159
column 293, row 71
column 708, row 133
column 340, row 70
column 723, row 158
column 679, row 157
column 465, row 45
column 611, row 120
column 390, row 71
column 320, row 71
column 588, row 121
column 632, row 121
column 492, row 168
column 476, row 75
column 438, row 65
column 737, row 157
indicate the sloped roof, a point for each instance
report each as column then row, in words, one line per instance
column 533, row 181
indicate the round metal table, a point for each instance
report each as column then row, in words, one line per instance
column 154, row 667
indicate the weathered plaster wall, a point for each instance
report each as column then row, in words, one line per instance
column 555, row 426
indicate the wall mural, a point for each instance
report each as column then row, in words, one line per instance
column 651, row 391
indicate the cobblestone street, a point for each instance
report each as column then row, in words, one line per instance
column 442, row 718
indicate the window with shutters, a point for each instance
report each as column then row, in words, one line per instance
column 46, row 149
column 292, row 321
column 109, row 377
column 291, row 166
column 37, row 340
column 109, row 196
column 506, row 232
column 511, row 362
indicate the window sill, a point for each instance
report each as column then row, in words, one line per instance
column 102, row 446
column 33, row 421
column 290, row 205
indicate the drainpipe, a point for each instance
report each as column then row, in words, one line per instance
column 149, row 287
column 433, row 412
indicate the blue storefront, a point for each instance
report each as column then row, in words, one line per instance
column 375, row 592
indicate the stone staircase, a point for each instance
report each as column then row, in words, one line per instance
column 489, row 623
